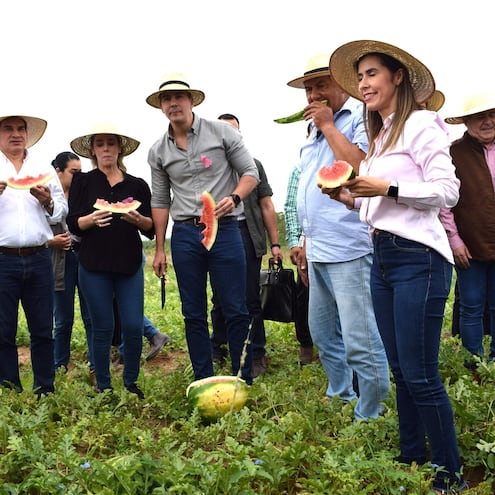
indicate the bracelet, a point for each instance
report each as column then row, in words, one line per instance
column 275, row 245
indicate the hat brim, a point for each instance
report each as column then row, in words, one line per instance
column 344, row 59
column 197, row 96
column 474, row 111
column 299, row 82
column 436, row 101
column 36, row 127
column 82, row 145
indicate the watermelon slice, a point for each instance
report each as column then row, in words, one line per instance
column 209, row 219
column 28, row 181
column 124, row 206
column 333, row 176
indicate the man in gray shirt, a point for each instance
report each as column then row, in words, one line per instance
column 193, row 156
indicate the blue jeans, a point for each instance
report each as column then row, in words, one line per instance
column 343, row 327
column 410, row 284
column 476, row 287
column 226, row 265
column 100, row 288
column 63, row 310
column 258, row 336
column 28, row 279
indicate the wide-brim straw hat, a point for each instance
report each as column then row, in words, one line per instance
column 36, row 127
column 175, row 81
column 82, row 145
column 477, row 103
column 316, row 66
column 343, row 67
column 436, row 101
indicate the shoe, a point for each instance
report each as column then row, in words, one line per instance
column 92, row 377
column 134, row 389
column 259, row 367
column 306, row 355
column 458, row 489
column 157, row 342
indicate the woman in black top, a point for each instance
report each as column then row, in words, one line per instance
column 110, row 254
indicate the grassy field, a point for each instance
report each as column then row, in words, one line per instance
column 289, row 439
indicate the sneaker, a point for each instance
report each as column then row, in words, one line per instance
column 134, row 389
column 259, row 367
column 306, row 355
column 157, row 342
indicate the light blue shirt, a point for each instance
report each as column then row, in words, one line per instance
column 333, row 233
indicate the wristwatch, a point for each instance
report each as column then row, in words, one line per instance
column 236, row 198
column 49, row 206
column 393, row 190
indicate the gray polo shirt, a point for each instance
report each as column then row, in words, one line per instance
column 215, row 157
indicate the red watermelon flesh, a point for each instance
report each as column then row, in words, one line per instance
column 209, row 220
column 28, row 181
column 333, row 176
column 124, row 206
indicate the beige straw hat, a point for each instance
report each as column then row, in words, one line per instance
column 175, row 81
column 343, row 67
column 82, row 145
column 316, row 66
column 436, row 101
column 35, row 127
column 473, row 104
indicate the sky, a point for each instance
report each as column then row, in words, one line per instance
column 77, row 62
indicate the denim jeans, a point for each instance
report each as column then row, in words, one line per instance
column 226, row 265
column 343, row 327
column 476, row 288
column 410, row 284
column 100, row 288
column 63, row 311
column 258, row 336
column 28, row 279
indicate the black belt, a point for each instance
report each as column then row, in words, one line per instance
column 22, row 251
column 196, row 220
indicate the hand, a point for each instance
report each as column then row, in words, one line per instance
column 320, row 113
column 42, row 194
column 339, row 194
column 367, row 186
column 302, row 267
column 3, row 185
column 462, row 257
column 294, row 253
column 61, row 241
column 160, row 264
column 101, row 218
column 224, row 207
column 133, row 217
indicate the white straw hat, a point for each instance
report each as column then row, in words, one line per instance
column 473, row 104
column 35, row 127
column 175, row 81
column 316, row 66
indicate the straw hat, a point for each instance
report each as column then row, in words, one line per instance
column 316, row 66
column 82, row 145
column 477, row 103
column 175, row 81
column 35, row 127
column 435, row 101
column 344, row 58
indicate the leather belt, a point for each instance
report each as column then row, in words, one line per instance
column 196, row 220
column 22, row 251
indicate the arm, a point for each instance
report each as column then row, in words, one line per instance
column 244, row 187
column 292, row 227
column 160, row 218
column 270, row 220
column 459, row 249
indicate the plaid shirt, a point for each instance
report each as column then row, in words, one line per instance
column 292, row 227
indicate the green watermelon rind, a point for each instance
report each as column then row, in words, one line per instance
column 215, row 396
column 209, row 220
column 20, row 183
column 333, row 176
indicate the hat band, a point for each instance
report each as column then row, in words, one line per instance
column 166, row 83
column 312, row 71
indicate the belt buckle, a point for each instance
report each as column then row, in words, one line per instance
column 196, row 221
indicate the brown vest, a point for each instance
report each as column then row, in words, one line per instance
column 474, row 214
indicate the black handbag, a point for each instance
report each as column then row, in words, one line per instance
column 278, row 292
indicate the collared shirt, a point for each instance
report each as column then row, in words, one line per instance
column 253, row 214
column 23, row 219
column 333, row 233
column 292, row 227
column 421, row 164
column 214, row 160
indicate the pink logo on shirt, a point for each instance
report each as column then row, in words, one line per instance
column 207, row 162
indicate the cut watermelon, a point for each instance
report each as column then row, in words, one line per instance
column 124, row 206
column 209, row 220
column 333, row 176
column 28, row 181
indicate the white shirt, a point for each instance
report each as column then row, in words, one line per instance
column 23, row 219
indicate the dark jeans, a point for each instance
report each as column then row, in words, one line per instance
column 410, row 284
column 28, row 279
column 258, row 336
column 476, row 291
column 100, row 289
column 226, row 265
column 63, row 310
column 303, row 334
